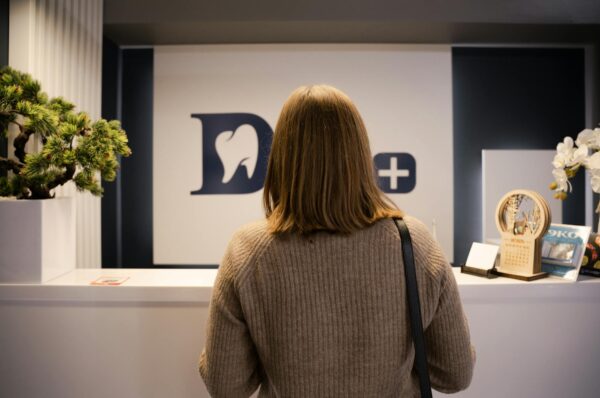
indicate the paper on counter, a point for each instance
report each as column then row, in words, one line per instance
column 109, row 280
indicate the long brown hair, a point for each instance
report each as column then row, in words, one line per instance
column 320, row 174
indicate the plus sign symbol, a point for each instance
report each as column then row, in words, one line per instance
column 396, row 172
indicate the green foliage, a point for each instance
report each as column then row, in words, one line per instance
column 74, row 147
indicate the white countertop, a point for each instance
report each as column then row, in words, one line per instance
column 146, row 334
column 195, row 285
column 143, row 284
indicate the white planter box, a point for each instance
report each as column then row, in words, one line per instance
column 37, row 239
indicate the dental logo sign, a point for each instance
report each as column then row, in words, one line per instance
column 396, row 172
column 235, row 150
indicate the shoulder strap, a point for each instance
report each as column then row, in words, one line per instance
column 414, row 309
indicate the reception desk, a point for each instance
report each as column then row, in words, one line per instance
column 66, row 338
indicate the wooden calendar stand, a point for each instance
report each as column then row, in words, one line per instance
column 522, row 217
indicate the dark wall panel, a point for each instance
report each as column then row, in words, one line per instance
column 111, row 216
column 136, row 183
column 127, row 204
column 511, row 98
column 4, row 13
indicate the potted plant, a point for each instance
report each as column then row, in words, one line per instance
column 37, row 231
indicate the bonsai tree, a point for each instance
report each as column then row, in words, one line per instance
column 73, row 147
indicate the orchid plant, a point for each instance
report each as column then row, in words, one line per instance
column 571, row 156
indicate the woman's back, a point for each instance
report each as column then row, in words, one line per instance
column 325, row 315
column 311, row 301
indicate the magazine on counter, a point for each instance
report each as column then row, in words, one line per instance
column 563, row 247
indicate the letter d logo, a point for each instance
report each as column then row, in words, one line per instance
column 235, row 151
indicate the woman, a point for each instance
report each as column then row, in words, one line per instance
column 311, row 302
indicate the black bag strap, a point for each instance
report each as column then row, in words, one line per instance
column 414, row 309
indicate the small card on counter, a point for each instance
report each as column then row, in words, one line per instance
column 481, row 260
column 482, row 256
column 109, row 280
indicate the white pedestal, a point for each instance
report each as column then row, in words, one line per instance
column 37, row 239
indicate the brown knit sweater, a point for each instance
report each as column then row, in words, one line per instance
column 326, row 316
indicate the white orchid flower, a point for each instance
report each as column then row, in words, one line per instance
column 589, row 137
column 593, row 162
column 586, row 137
column 579, row 156
column 560, row 161
column 562, row 181
column 595, row 181
column 566, row 146
column 564, row 153
column 594, row 144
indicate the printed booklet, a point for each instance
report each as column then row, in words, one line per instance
column 563, row 247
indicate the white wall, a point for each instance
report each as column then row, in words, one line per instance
column 404, row 93
column 59, row 42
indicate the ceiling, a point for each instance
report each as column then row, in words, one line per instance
column 150, row 22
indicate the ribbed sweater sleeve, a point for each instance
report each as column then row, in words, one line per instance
column 229, row 364
column 450, row 355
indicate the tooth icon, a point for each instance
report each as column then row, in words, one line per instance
column 237, row 148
